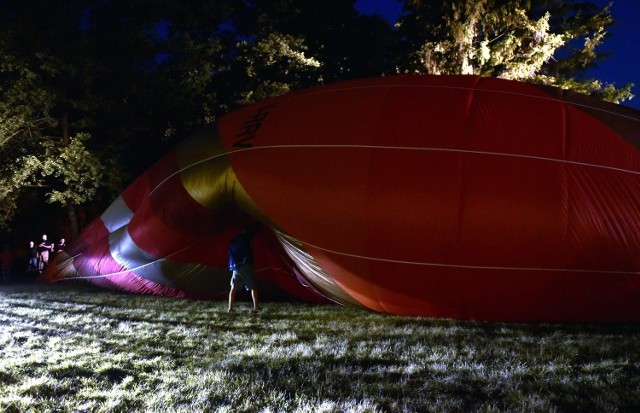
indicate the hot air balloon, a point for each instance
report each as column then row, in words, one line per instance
column 442, row 196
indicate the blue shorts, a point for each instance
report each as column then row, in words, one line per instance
column 243, row 274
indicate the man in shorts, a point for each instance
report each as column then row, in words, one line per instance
column 45, row 248
column 241, row 267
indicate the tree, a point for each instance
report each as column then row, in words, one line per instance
column 540, row 41
column 235, row 53
column 45, row 105
column 37, row 150
column 346, row 44
column 84, row 81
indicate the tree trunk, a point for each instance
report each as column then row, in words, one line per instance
column 73, row 221
column 64, row 130
column 74, row 226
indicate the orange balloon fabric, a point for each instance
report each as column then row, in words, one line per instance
column 443, row 196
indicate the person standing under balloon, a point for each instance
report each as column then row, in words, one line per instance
column 241, row 266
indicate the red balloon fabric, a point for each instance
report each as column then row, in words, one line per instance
column 443, row 196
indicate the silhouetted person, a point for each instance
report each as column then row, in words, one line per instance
column 241, row 266
column 60, row 246
column 32, row 258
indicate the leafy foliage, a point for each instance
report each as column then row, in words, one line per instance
column 281, row 60
column 76, row 171
column 530, row 40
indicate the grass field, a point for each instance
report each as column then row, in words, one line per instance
column 79, row 349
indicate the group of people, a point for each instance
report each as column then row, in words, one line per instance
column 30, row 260
column 38, row 256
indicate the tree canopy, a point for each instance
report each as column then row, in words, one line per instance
column 545, row 41
column 92, row 92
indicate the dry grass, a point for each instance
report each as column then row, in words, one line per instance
column 79, row 349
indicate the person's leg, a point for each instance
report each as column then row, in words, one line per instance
column 232, row 298
column 235, row 282
column 45, row 260
column 254, row 297
column 249, row 279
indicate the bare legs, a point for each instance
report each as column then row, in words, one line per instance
column 254, row 297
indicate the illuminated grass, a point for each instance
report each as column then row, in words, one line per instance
column 79, row 349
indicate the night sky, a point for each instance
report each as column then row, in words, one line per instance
column 622, row 67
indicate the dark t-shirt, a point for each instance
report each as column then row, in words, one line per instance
column 240, row 251
column 45, row 246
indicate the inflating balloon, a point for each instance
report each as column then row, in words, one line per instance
column 444, row 196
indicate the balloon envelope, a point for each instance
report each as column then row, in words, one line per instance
column 445, row 196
